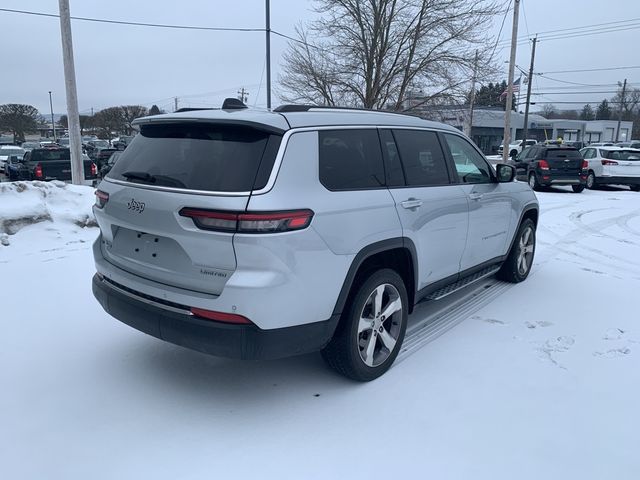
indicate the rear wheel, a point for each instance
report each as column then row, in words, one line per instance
column 518, row 263
column 533, row 181
column 577, row 188
column 591, row 180
column 371, row 329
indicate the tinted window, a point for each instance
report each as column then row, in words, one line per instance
column 422, row 158
column 563, row 153
column 471, row 166
column 196, row 156
column 393, row 166
column 350, row 159
column 50, row 155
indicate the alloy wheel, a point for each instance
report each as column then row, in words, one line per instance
column 525, row 251
column 379, row 325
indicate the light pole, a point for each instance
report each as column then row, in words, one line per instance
column 53, row 123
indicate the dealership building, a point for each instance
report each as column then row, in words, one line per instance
column 488, row 127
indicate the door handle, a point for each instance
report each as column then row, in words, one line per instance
column 411, row 203
column 475, row 196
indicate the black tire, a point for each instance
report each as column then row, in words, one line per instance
column 591, row 180
column 510, row 271
column 577, row 188
column 635, row 188
column 343, row 353
column 533, row 182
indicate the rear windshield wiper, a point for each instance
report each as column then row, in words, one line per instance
column 144, row 176
column 162, row 180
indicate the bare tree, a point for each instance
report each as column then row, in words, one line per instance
column 374, row 53
column 130, row 113
column 549, row 111
column 108, row 121
column 18, row 119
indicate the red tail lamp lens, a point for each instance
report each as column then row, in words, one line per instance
column 220, row 316
column 101, row 198
column 255, row 222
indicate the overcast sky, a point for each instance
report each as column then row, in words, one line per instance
column 118, row 64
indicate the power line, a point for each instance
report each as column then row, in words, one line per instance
column 591, row 70
column 137, row 24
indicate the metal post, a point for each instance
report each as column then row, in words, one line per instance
column 472, row 97
column 53, row 123
column 75, row 141
column 512, row 64
column 175, row 104
column 624, row 89
column 526, row 108
column 268, row 44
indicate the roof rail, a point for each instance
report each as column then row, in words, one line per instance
column 193, row 109
column 305, row 108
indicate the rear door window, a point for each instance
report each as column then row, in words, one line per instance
column 199, row 156
column 350, row 159
column 422, row 158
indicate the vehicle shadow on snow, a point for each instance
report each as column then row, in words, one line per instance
column 161, row 365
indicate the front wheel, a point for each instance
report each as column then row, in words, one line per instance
column 577, row 188
column 517, row 266
column 372, row 328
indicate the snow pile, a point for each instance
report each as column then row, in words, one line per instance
column 26, row 203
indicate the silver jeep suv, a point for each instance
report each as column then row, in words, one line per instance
column 256, row 235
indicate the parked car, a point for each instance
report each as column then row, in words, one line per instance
column 255, row 234
column 108, row 165
column 629, row 144
column 5, row 152
column 121, row 142
column 16, row 169
column 574, row 143
column 516, row 147
column 103, row 155
column 552, row 165
column 613, row 166
column 64, row 142
column 92, row 147
column 55, row 164
column 28, row 146
column 601, row 144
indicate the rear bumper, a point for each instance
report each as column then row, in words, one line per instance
column 561, row 180
column 177, row 326
column 618, row 180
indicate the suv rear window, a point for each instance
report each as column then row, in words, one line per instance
column 199, row 156
column 563, row 153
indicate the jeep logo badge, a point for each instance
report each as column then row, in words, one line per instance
column 136, row 206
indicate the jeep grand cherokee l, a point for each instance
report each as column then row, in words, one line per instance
column 254, row 234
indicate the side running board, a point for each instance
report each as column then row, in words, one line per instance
column 461, row 283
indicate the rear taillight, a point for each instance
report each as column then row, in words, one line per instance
column 543, row 165
column 608, row 162
column 585, row 165
column 101, row 198
column 255, row 222
column 37, row 172
column 220, row 316
column 94, row 169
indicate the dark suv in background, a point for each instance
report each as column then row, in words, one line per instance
column 552, row 165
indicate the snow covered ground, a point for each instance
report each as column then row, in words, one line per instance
column 529, row 381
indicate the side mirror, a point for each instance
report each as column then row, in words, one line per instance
column 506, row 173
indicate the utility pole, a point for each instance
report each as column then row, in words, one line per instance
column 624, row 89
column 526, row 107
column 268, row 44
column 242, row 95
column 472, row 97
column 512, row 64
column 53, row 123
column 73, row 117
column 175, row 104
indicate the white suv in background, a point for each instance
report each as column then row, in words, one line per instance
column 612, row 166
column 517, row 147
